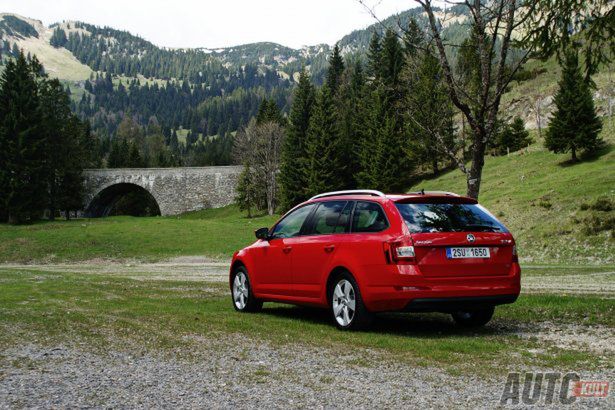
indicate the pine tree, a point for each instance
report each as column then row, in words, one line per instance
column 575, row 125
column 293, row 173
column 512, row 137
column 22, row 142
column 134, row 159
column 414, row 38
column 71, row 187
column 374, row 57
column 430, row 111
column 246, row 190
column 55, row 116
column 269, row 111
column 392, row 63
column 323, row 146
column 351, row 113
column 58, row 38
column 335, row 70
column 384, row 163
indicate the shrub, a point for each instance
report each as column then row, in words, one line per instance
column 599, row 222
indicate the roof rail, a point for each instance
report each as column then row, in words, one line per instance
column 349, row 192
column 423, row 192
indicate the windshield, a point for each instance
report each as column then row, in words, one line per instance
column 448, row 218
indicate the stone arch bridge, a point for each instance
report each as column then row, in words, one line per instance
column 175, row 190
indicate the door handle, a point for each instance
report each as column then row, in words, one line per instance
column 329, row 248
column 287, row 249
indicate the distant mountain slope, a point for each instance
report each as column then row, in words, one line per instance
column 122, row 53
column 33, row 37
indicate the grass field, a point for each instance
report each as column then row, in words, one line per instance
column 216, row 233
column 109, row 312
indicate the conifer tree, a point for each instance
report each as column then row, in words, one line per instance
column 384, row 163
column 71, row 187
column 294, row 161
column 269, row 111
column 351, row 112
column 246, row 191
column 22, row 142
column 575, row 125
column 55, row 116
column 414, row 38
column 374, row 57
column 335, row 70
column 58, row 38
column 430, row 111
column 392, row 62
column 323, row 146
column 512, row 137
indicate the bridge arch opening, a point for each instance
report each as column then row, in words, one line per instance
column 123, row 199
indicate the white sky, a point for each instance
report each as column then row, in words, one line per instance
column 219, row 23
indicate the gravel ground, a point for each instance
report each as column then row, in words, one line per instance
column 237, row 373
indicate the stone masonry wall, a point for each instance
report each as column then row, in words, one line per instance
column 176, row 190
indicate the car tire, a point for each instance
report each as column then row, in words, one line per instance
column 347, row 308
column 473, row 318
column 241, row 292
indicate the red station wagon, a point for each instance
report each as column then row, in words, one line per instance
column 361, row 252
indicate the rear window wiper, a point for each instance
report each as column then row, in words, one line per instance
column 488, row 228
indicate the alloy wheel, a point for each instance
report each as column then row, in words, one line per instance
column 344, row 302
column 240, row 290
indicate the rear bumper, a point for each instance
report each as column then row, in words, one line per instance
column 415, row 293
column 453, row 304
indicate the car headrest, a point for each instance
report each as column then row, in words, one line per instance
column 332, row 218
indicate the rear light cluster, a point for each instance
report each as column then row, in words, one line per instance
column 515, row 257
column 400, row 251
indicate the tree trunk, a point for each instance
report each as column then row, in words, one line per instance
column 475, row 172
column 434, row 166
column 13, row 219
column 574, row 155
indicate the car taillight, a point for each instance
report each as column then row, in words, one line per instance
column 515, row 257
column 399, row 251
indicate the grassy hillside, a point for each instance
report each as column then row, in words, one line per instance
column 215, row 233
column 542, row 199
column 535, row 95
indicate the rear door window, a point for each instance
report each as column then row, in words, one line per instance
column 369, row 217
column 438, row 217
column 327, row 219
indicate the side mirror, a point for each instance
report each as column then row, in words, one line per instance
column 262, row 233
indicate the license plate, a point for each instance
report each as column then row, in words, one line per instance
column 457, row 253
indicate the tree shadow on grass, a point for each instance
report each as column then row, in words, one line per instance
column 421, row 325
column 593, row 156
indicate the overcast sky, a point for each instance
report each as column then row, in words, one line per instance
column 217, row 23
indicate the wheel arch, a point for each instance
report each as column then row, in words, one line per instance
column 333, row 273
column 237, row 263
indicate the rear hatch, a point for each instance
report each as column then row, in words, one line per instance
column 456, row 237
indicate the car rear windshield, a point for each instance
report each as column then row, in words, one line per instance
column 434, row 217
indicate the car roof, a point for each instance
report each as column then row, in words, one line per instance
column 412, row 197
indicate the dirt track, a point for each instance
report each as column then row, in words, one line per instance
column 197, row 268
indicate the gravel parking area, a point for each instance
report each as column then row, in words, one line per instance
column 233, row 370
column 237, row 373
